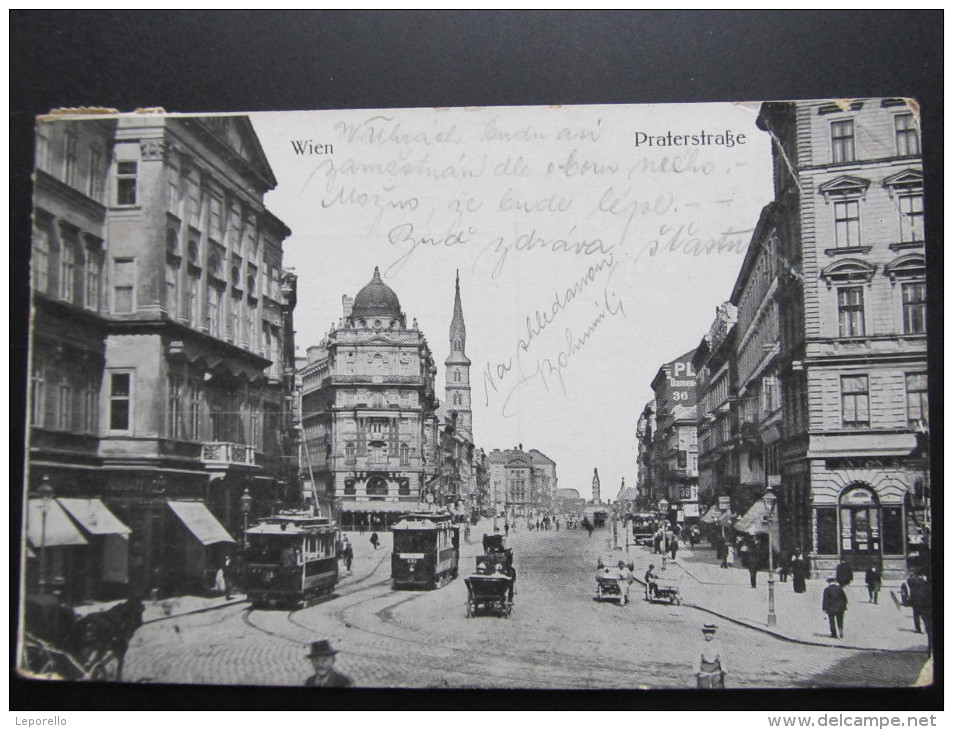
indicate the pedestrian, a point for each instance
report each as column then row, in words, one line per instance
column 651, row 581
column 322, row 658
column 375, row 540
column 744, row 552
column 874, row 580
column 466, row 533
column 921, row 600
column 834, row 604
column 729, row 556
column 348, row 556
column 711, row 660
column 510, row 572
column 799, row 571
column 673, row 546
column 625, row 580
column 844, row 573
column 753, row 568
column 220, row 580
column 228, row 574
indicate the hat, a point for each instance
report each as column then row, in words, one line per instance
column 709, row 628
column 322, row 648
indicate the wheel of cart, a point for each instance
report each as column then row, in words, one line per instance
column 488, row 594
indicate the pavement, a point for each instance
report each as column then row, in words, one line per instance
column 727, row 594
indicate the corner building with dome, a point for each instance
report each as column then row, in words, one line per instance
column 369, row 413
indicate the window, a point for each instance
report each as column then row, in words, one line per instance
column 94, row 187
column 456, row 376
column 214, row 312
column 176, row 416
column 827, row 530
column 917, row 409
column 842, row 141
column 195, row 410
column 194, row 193
column 94, row 273
column 215, row 217
column 914, row 308
column 908, row 137
column 847, row 224
column 171, row 290
column 404, row 454
column 127, row 172
column 41, row 259
column 91, row 404
column 67, row 270
column 855, row 403
column 120, row 401
column 850, row 311
column 38, row 392
column 42, row 148
column 911, row 218
column 64, row 409
column 349, row 453
column 124, row 273
column 193, row 298
column 172, row 197
column 69, row 159
column 771, row 394
column 457, row 399
column 682, row 459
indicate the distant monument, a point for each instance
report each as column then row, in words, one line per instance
column 596, row 496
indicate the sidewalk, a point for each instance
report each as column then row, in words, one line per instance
column 727, row 593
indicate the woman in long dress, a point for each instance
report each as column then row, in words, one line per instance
column 799, row 572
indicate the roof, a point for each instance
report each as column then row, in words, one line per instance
column 94, row 517
column 376, row 299
column 200, row 522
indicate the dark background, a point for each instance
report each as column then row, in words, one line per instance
column 257, row 61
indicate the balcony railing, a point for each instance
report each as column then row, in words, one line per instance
column 223, row 452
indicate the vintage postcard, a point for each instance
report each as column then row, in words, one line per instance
column 589, row 397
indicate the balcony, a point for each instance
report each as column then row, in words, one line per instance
column 223, row 452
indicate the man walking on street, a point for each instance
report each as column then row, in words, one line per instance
column 874, row 580
column 845, row 573
column 834, row 604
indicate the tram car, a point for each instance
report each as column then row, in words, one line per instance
column 426, row 551
column 291, row 559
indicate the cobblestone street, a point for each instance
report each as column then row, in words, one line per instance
column 556, row 637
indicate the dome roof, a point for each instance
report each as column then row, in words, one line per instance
column 376, row 299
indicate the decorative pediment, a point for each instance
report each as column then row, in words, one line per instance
column 848, row 270
column 911, row 266
column 904, row 181
column 845, row 185
column 237, row 139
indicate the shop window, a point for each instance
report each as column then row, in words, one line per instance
column 893, row 531
column 827, row 531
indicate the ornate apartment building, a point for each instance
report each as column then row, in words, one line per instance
column 162, row 341
column 849, row 234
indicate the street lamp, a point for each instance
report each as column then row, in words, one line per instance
column 45, row 493
column 770, row 503
column 245, row 501
column 663, row 510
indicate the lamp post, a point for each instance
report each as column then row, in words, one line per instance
column 770, row 503
column 663, row 511
column 45, row 493
column 245, row 501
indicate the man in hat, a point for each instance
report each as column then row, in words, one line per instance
column 834, row 604
column 711, row 656
column 322, row 659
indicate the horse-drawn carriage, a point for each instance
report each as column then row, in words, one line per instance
column 489, row 594
column 495, row 553
column 59, row 644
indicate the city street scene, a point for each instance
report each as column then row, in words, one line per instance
column 595, row 397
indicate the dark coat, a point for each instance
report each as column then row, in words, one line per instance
column 920, row 598
column 844, row 573
column 835, row 600
column 873, row 577
column 334, row 679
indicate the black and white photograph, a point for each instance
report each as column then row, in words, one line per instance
column 465, row 381
column 591, row 397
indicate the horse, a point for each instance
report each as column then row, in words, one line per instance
column 106, row 635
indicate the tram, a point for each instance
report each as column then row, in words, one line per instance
column 426, row 551
column 290, row 559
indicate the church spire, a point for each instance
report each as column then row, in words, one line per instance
column 458, row 329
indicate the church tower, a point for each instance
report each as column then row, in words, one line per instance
column 458, row 370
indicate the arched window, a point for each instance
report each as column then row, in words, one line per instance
column 377, row 486
column 214, row 266
column 171, row 242
column 251, row 285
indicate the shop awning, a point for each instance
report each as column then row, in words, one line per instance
column 384, row 507
column 200, row 522
column 715, row 516
column 94, row 517
column 60, row 530
column 753, row 522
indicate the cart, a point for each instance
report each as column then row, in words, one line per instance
column 608, row 588
column 488, row 594
column 666, row 591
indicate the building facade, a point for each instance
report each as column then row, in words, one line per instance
column 675, row 446
column 645, row 483
column 161, row 338
column 522, row 483
column 852, row 320
column 368, row 412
